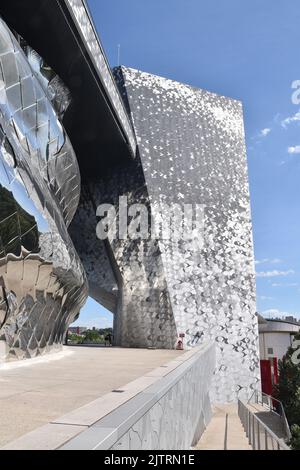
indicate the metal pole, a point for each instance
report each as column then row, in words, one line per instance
column 119, row 54
column 249, row 427
column 258, row 436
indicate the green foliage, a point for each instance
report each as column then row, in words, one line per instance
column 288, row 392
column 92, row 336
column 17, row 225
column 295, row 441
column 105, row 331
column 73, row 338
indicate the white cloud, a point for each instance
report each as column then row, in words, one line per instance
column 268, row 261
column 283, row 284
column 265, row 132
column 274, row 273
column 264, row 297
column 293, row 150
column 287, row 121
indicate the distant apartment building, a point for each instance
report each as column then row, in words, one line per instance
column 77, row 330
column 292, row 320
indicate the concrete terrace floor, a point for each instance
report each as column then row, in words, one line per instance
column 32, row 393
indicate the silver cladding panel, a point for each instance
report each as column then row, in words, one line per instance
column 144, row 316
column 192, row 150
column 42, row 282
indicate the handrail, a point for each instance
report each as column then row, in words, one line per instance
column 279, row 409
column 259, row 435
column 89, row 33
column 88, row 12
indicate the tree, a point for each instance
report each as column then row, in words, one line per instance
column 295, row 441
column 105, row 331
column 16, row 224
column 91, row 336
column 288, row 391
column 74, row 338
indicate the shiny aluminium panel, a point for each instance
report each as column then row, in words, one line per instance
column 42, row 282
column 201, row 285
column 192, row 151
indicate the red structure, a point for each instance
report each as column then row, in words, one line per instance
column 269, row 375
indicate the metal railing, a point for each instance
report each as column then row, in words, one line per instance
column 273, row 405
column 80, row 12
column 259, row 435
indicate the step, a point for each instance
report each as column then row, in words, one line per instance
column 225, row 431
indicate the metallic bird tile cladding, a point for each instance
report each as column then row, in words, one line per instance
column 42, row 282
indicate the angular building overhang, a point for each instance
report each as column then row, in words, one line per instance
column 62, row 32
column 279, row 326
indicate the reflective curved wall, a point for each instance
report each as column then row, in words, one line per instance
column 42, row 282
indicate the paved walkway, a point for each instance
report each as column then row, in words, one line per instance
column 32, row 393
column 225, row 431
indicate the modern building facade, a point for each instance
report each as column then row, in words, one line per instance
column 276, row 337
column 169, row 155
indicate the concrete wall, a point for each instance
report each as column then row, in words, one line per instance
column 277, row 335
column 279, row 342
column 170, row 414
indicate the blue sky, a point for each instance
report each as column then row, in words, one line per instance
column 247, row 50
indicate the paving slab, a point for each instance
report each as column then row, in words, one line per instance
column 49, row 437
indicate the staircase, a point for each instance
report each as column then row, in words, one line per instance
column 225, row 431
column 264, row 422
column 259, row 424
column 269, row 418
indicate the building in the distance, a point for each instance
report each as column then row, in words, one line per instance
column 78, row 330
column 275, row 337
